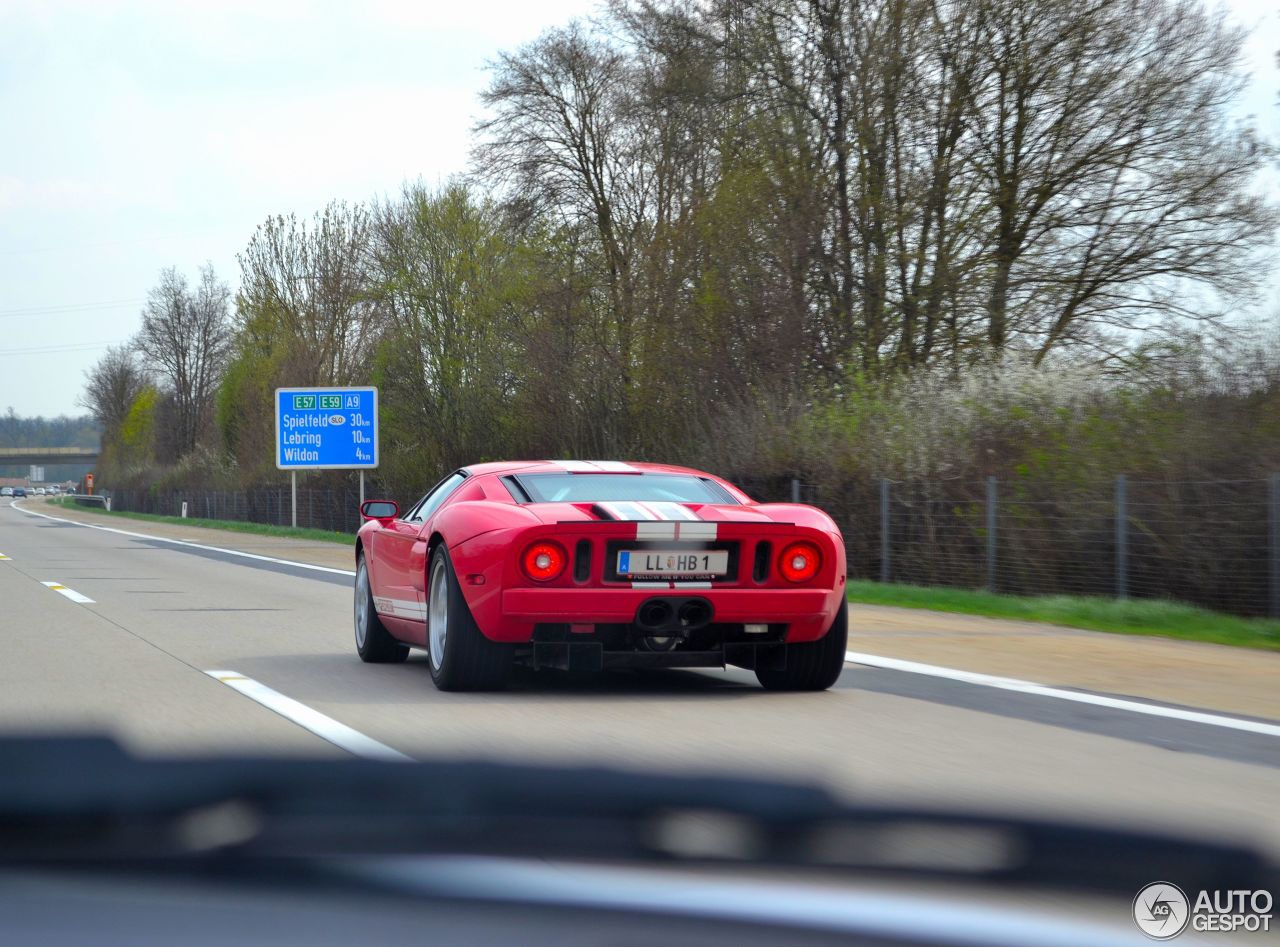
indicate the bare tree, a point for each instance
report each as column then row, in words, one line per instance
column 447, row 282
column 185, row 340
column 304, row 294
column 1111, row 164
column 110, row 388
column 564, row 136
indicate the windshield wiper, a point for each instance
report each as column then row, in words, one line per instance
column 84, row 800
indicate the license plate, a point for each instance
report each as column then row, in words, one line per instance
column 673, row 562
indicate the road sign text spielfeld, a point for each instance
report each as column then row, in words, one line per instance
column 326, row 428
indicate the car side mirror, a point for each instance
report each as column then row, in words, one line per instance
column 379, row 509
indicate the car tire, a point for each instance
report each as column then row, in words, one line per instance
column 374, row 643
column 811, row 665
column 460, row 656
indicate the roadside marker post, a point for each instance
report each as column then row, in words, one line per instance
column 884, row 529
column 1122, row 537
column 1273, row 511
column 991, row 534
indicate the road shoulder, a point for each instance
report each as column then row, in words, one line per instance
column 1212, row 677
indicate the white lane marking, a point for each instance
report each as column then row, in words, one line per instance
column 187, row 542
column 339, row 734
column 69, row 593
column 3, row 557
column 1079, row 697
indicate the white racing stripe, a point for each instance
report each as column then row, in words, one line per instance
column 400, row 608
column 697, row 531
column 1080, row 697
column 339, row 734
column 656, row 530
column 626, row 511
column 69, row 593
column 186, row 542
column 665, row 510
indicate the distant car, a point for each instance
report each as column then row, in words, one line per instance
column 40, row 491
column 6, row 491
column 590, row 565
column 19, row 492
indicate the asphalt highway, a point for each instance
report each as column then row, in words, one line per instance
column 106, row 632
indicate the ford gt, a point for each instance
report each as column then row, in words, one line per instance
column 587, row 565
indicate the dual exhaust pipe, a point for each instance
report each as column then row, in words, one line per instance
column 666, row 616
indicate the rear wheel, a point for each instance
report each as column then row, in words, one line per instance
column 811, row 665
column 461, row 657
column 374, row 643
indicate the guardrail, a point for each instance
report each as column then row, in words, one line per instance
column 84, row 499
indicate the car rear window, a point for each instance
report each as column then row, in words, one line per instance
column 592, row 488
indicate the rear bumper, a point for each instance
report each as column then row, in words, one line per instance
column 619, row 605
column 591, row 656
column 807, row 612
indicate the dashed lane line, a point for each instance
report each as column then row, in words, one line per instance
column 68, row 593
column 325, row 727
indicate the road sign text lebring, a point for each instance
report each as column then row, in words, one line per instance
column 326, row 429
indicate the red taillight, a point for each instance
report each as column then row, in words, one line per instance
column 543, row 561
column 800, row 562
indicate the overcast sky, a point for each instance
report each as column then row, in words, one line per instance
column 135, row 136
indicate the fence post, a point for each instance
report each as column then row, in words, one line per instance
column 1273, row 510
column 1122, row 537
column 795, row 490
column 884, row 529
column 991, row 534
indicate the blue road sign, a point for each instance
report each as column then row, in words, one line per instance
column 326, row 428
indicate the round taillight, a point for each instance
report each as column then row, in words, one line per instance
column 543, row 561
column 800, row 562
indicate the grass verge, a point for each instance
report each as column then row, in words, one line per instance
column 1122, row 616
column 232, row 526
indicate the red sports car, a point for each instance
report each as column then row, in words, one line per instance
column 587, row 565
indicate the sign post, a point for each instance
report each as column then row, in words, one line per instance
column 326, row 429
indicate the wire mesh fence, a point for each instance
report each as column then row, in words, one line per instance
column 1210, row 543
column 331, row 509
